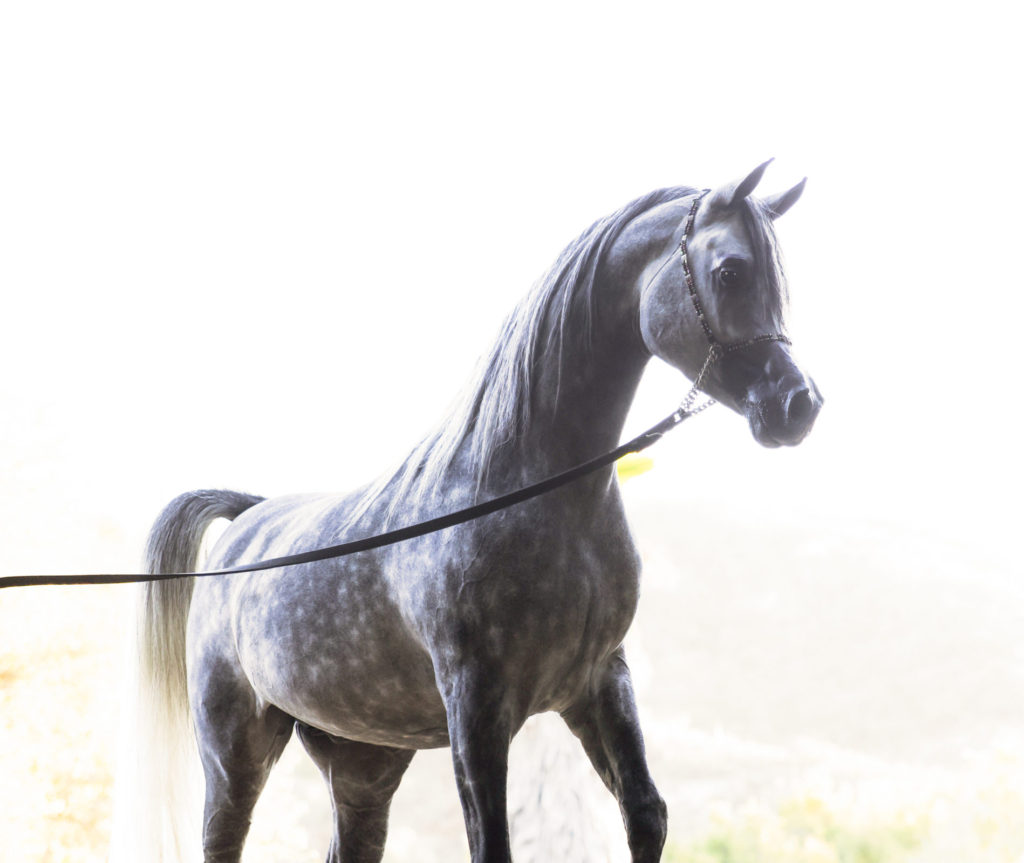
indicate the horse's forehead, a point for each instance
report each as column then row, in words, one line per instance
column 722, row 235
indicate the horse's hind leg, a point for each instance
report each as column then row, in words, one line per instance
column 362, row 780
column 238, row 745
column 608, row 727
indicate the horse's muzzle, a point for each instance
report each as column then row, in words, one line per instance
column 783, row 417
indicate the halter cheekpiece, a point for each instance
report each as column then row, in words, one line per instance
column 716, row 349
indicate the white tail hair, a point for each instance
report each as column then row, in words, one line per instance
column 156, row 813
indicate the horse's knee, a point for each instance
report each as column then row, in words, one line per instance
column 647, row 827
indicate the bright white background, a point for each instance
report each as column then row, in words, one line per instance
column 260, row 245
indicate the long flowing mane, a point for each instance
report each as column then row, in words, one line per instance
column 495, row 406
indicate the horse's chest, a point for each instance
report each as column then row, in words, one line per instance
column 590, row 595
column 543, row 603
column 579, row 585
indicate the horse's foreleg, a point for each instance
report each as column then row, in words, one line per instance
column 362, row 780
column 480, row 733
column 607, row 725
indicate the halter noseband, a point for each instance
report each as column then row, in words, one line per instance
column 716, row 349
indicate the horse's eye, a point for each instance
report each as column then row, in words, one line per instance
column 729, row 276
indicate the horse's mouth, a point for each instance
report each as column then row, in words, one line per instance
column 764, row 436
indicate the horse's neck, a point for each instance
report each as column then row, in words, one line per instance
column 582, row 387
column 583, row 393
column 579, row 397
column 580, row 405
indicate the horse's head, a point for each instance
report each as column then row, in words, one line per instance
column 732, row 306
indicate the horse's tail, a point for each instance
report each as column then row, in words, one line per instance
column 155, row 785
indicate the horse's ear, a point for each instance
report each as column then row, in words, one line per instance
column 778, row 204
column 729, row 196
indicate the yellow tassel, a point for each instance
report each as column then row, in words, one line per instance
column 633, row 464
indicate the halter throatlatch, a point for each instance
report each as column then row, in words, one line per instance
column 716, row 349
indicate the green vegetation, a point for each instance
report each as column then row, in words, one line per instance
column 984, row 826
column 804, row 831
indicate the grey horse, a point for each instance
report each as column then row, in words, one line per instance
column 455, row 638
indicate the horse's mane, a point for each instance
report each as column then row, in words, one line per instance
column 496, row 404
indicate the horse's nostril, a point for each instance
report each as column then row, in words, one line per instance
column 801, row 406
